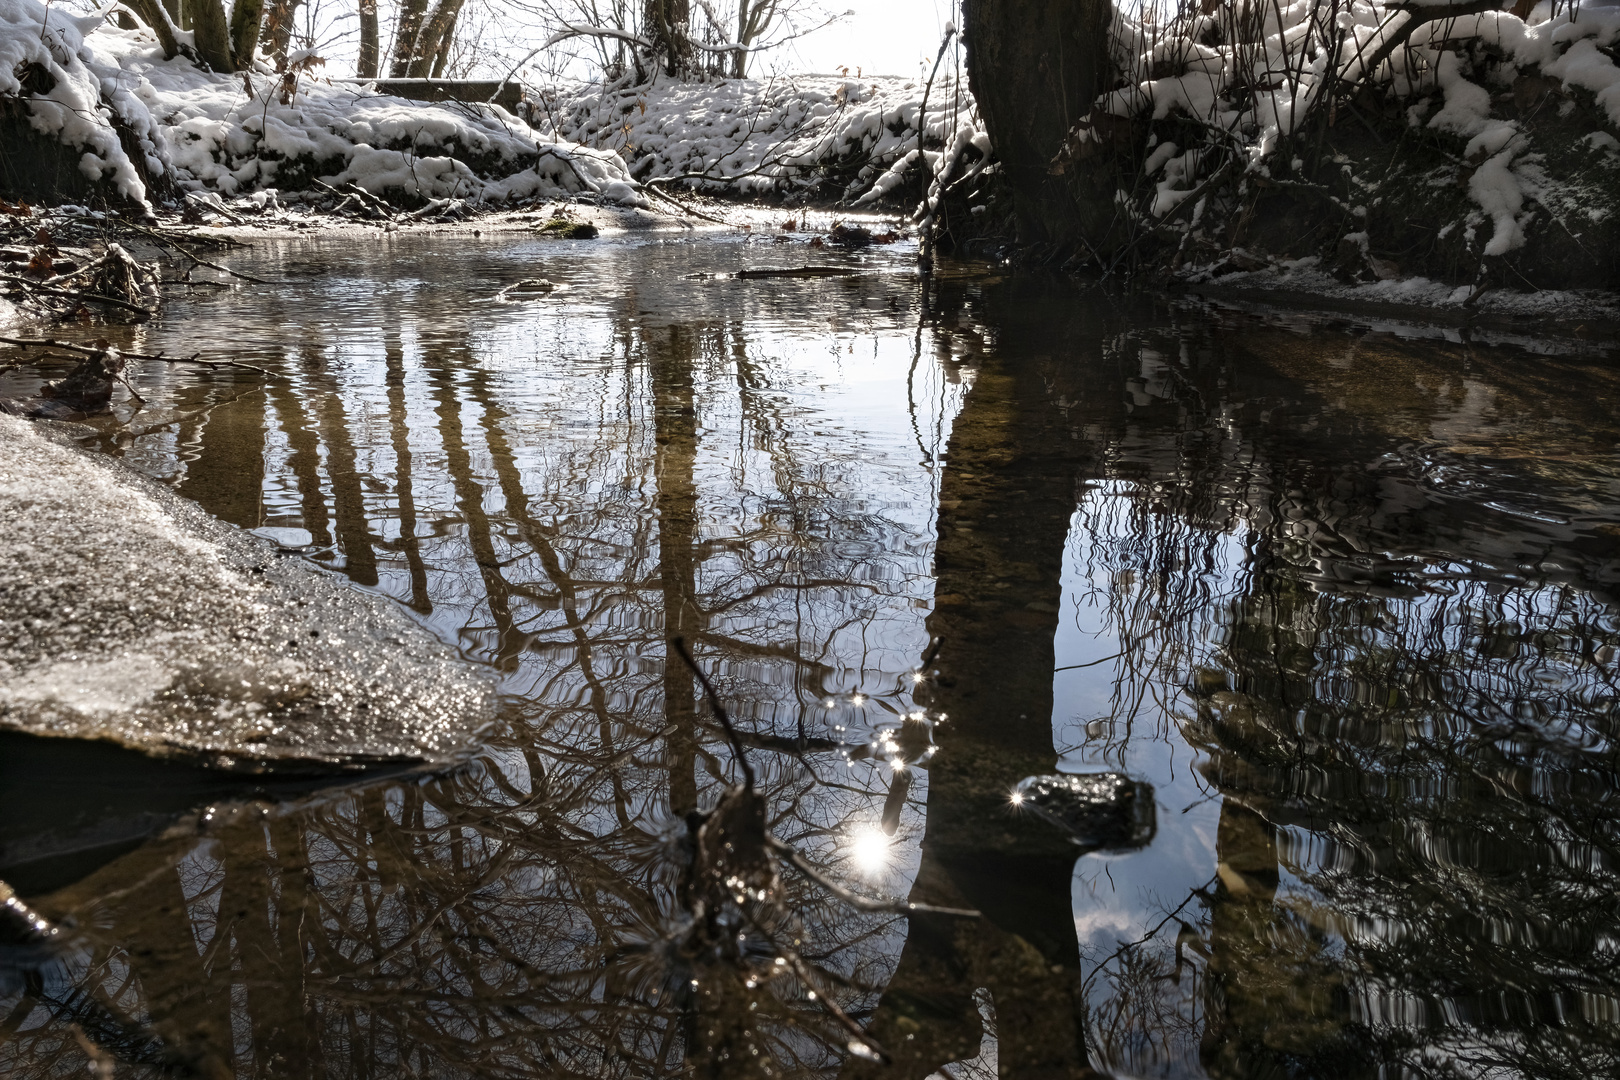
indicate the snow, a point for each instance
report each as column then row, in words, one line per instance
column 128, row 614
column 1254, row 90
column 73, row 109
column 233, row 134
column 752, row 136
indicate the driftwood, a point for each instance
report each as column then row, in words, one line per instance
column 801, row 272
column 196, row 260
column 66, row 294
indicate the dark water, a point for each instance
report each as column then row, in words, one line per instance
column 1344, row 598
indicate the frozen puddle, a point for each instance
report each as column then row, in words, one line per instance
column 128, row 614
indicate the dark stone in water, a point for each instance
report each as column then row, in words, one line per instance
column 568, row 229
column 1107, row 811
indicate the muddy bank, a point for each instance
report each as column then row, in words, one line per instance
column 129, row 615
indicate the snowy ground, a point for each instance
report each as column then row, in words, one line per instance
column 263, row 134
column 790, row 134
column 1486, row 89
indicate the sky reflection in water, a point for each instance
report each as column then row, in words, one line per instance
column 1346, row 601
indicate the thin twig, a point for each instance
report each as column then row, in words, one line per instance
column 719, row 711
column 855, row 899
column 52, row 343
column 80, row 296
column 197, row 259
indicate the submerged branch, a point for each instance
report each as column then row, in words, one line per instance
column 52, row 343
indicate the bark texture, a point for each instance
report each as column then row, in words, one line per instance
column 1035, row 67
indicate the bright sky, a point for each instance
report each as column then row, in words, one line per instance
column 882, row 37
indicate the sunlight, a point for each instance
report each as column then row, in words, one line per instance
column 869, row 850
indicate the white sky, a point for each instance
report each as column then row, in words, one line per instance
column 879, row 37
column 883, row 37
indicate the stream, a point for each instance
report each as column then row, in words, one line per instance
column 1336, row 604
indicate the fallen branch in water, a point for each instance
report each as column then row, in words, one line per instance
column 359, row 195
column 144, row 313
column 800, row 272
column 52, row 343
column 197, row 260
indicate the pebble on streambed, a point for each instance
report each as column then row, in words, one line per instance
column 128, row 614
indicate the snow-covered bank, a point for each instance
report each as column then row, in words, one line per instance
column 86, row 83
column 1391, row 139
column 128, row 614
column 142, row 128
column 829, row 135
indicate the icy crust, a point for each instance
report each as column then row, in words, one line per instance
column 1257, row 91
column 236, row 133
column 127, row 614
column 753, row 137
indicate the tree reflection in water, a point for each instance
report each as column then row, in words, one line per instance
column 1349, row 601
column 1378, row 601
column 521, row 912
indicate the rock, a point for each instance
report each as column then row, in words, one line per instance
column 850, row 236
column 568, row 229
column 1108, row 811
column 130, row 615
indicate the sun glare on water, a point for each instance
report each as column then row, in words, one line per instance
column 869, row 851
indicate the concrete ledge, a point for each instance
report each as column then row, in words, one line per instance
column 471, row 91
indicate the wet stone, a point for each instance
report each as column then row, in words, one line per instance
column 127, row 614
column 1098, row 810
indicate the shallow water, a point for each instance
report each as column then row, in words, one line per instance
column 1345, row 600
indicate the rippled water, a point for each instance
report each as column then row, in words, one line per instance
column 1345, row 599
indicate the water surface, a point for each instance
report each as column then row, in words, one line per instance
column 1344, row 597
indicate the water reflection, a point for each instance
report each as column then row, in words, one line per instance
column 1389, row 845
column 1345, row 601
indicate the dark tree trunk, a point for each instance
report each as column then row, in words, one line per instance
column 158, row 17
column 411, row 14
column 278, row 28
column 246, row 17
column 434, row 36
column 666, row 23
column 369, row 46
column 1035, row 67
column 211, row 33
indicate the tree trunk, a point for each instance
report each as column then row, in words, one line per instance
column 246, row 18
column 411, row 14
column 156, row 16
column 739, row 59
column 1035, row 67
column 278, row 28
column 367, row 66
column 211, row 34
column 436, row 32
column 441, row 59
column 666, row 23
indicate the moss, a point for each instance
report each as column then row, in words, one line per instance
column 568, row 229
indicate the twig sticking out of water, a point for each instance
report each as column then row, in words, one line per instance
column 79, row 296
column 719, row 712
column 52, row 343
column 197, row 260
